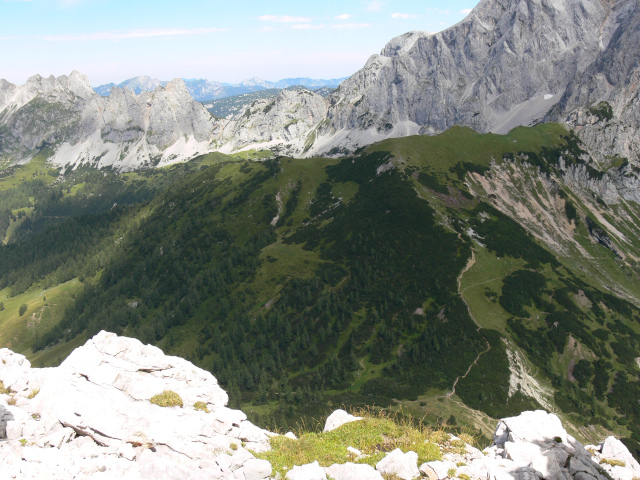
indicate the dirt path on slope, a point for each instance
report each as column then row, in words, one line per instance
column 469, row 264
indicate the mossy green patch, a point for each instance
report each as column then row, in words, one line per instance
column 372, row 436
column 167, row 398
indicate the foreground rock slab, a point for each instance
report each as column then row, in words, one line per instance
column 93, row 415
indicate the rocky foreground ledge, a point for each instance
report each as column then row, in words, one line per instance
column 100, row 414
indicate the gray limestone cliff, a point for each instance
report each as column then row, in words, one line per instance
column 124, row 130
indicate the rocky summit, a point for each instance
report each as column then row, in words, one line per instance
column 116, row 408
column 102, row 414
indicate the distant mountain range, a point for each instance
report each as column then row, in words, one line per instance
column 202, row 89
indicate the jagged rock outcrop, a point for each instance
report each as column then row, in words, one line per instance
column 288, row 123
column 612, row 127
column 92, row 416
column 125, row 130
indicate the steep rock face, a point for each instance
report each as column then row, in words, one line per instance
column 614, row 78
column 509, row 63
column 289, row 121
column 124, row 130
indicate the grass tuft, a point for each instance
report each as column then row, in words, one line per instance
column 4, row 391
column 613, row 462
column 202, row 406
column 167, row 399
column 33, row 393
column 376, row 434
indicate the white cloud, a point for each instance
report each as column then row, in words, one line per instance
column 129, row 34
column 403, row 16
column 307, row 26
column 466, row 11
column 284, row 19
column 375, row 6
column 344, row 16
column 268, row 29
column 352, row 25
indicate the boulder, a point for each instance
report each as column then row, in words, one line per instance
column 438, row 469
column 537, row 427
column 352, row 471
column 536, row 446
column 310, row 471
column 337, row 419
column 402, row 465
column 614, row 449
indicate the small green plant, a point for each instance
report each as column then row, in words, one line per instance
column 464, row 476
column 233, row 446
column 33, row 393
column 22, row 309
column 201, row 406
column 613, row 462
column 439, row 436
column 451, row 472
column 4, row 391
column 557, row 439
column 167, row 399
column 23, row 442
column 35, row 416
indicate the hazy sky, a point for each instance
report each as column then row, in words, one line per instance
column 228, row 41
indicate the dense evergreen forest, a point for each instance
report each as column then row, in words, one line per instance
column 302, row 284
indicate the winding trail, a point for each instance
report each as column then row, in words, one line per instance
column 469, row 264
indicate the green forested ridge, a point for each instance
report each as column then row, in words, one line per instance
column 376, row 278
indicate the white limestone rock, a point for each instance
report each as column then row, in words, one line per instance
column 403, row 465
column 352, row 471
column 438, row 468
column 614, row 449
column 537, row 427
column 310, row 471
column 536, row 446
column 93, row 419
column 337, row 419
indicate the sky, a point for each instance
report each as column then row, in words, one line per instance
column 226, row 41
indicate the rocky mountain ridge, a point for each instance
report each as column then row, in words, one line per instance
column 202, row 89
column 508, row 63
column 99, row 415
column 124, row 130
